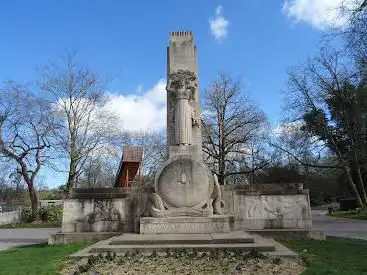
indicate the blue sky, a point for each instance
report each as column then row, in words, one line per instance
column 126, row 42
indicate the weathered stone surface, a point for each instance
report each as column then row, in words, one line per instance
column 184, row 185
column 182, row 87
column 103, row 214
column 182, row 55
column 100, row 193
column 234, row 196
column 207, row 238
column 184, row 182
column 174, row 225
column 79, row 237
column 272, row 211
column 204, row 242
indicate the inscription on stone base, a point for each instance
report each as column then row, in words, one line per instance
column 186, row 225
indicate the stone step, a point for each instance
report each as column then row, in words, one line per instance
column 213, row 238
column 245, row 247
column 145, row 244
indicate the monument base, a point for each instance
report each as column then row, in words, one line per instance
column 187, row 225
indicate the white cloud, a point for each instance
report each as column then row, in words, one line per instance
column 140, row 112
column 219, row 24
column 321, row 14
column 287, row 128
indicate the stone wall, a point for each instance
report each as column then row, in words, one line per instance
column 268, row 206
column 10, row 217
column 254, row 207
column 103, row 210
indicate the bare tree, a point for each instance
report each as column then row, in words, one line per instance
column 78, row 98
column 155, row 151
column 354, row 31
column 230, row 122
column 11, row 183
column 329, row 97
column 25, row 128
column 99, row 171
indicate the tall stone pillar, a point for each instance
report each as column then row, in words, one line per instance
column 182, row 56
column 184, row 185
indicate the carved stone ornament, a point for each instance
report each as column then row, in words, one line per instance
column 182, row 80
column 186, row 187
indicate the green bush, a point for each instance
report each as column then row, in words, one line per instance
column 51, row 214
column 27, row 215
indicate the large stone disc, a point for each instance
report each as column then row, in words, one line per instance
column 184, row 182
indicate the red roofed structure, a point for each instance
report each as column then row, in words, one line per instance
column 130, row 165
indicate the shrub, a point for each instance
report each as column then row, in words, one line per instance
column 27, row 215
column 51, row 214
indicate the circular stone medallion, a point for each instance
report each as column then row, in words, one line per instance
column 184, row 183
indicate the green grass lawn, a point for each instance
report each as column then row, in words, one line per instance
column 36, row 259
column 351, row 214
column 333, row 256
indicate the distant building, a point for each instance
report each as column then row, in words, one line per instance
column 130, row 166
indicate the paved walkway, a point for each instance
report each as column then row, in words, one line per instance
column 339, row 227
column 25, row 236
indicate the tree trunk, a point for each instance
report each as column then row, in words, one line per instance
column 359, row 174
column 361, row 186
column 346, row 168
column 73, row 163
column 71, row 177
column 221, row 161
column 34, row 200
column 354, row 187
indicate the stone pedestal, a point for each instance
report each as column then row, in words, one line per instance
column 187, row 225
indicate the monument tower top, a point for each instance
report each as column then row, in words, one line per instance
column 182, row 56
column 181, row 36
column 181, row 52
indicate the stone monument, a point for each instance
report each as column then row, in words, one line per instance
column 184, row 185
column 186, row 197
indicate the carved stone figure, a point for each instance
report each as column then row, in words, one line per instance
column 182, row 86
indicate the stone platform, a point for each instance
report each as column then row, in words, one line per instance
column 147, row 243
column 187, row 225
